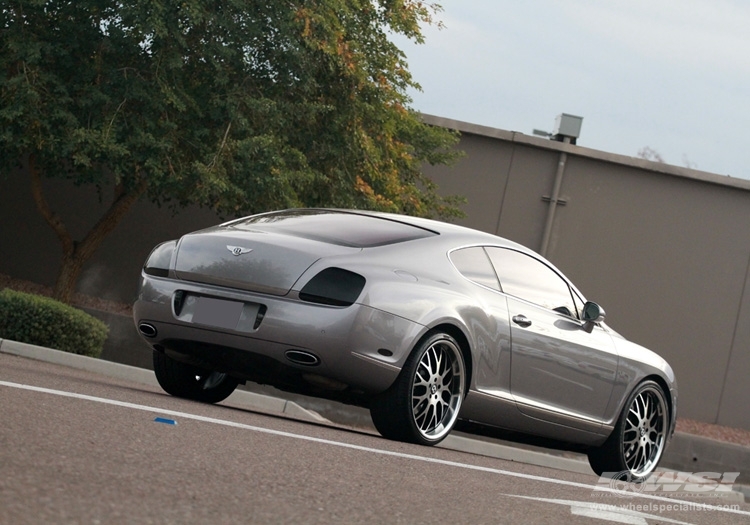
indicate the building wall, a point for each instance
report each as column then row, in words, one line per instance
column 30, row 250
column 665, row 250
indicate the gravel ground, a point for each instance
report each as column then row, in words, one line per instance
column 737, row 436
column 689, row 426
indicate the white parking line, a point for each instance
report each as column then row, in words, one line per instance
column 617, row 514
column 185, row 415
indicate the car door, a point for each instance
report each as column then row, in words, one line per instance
column 559, row 371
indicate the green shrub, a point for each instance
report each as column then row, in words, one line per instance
column 43, row 321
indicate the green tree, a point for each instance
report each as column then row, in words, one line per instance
column 240, row 106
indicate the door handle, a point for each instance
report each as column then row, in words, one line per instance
column 522, row 320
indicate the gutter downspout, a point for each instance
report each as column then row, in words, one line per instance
column 554, row 200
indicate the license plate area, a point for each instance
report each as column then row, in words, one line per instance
column 218, row 313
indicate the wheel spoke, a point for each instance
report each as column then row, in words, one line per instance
column 421, row 380
column 644, row 432
column 635, row 410
column 418, row 399
column 646, row 406
column 438, row 360
column 437, row 389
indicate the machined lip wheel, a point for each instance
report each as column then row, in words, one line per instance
column 438, row 389
column 422, row 404
column 644, row 432
column 633, row 449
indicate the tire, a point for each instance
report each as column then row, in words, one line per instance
column 191, row 382
column 423, row 403
column 633, row 450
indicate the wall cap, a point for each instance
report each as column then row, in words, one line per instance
column 624, row 160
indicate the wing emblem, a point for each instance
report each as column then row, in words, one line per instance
column 238, row 250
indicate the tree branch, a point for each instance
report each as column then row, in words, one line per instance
column 68, row 245
column 73, row 261
column 123, row 201
column 221, row 147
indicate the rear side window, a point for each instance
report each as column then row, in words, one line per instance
column 531, row 280
column 474, row 264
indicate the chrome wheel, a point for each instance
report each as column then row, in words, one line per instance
column 437, row 389
column 645, row 432
column 422, row 404
column 633, row 450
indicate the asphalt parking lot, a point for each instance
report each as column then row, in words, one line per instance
column 686, row 452
column 89, row 441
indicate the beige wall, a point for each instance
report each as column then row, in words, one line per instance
column 30, row 250
column 664, row 249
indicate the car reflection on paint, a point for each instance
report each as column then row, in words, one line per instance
column 424, row 323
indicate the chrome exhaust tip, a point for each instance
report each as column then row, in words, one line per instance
column 300, row 357
column 147, row 329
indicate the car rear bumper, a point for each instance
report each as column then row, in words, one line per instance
column 361, row 347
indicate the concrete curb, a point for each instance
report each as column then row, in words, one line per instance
column 462, row 443
column 686, row 453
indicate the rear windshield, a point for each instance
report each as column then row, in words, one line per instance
column 334, row 227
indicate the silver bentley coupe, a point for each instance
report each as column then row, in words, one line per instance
column 424, row 323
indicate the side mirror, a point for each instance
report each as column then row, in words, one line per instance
column 592, row 314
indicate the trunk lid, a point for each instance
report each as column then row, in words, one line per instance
column 258, row 261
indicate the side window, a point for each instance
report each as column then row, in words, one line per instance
column 474, row 264
column 531, row 280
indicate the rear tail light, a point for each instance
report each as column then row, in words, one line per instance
column 158, row 261
column 333, row 286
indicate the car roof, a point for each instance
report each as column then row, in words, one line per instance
column 364, row 228
column 340, row 227
column 454, row 231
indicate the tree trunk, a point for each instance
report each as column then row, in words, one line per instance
column 67, row 277
column 77, row 253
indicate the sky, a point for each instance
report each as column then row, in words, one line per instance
column 669, row 75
